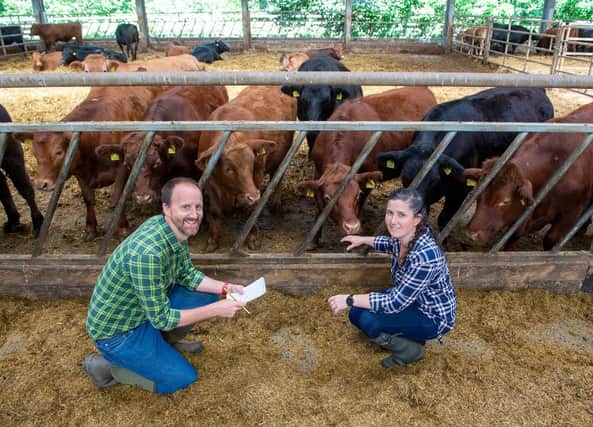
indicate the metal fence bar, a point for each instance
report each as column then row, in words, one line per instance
column 214, row 159
column 53, row 202
column 482, row 185
column 235, row 250
column 543, row 192
column 432, row 159
column 330, row 204
column 586, row 216
column 382, row 78
column 128, row 188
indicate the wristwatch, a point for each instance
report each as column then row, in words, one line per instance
column 350, row 300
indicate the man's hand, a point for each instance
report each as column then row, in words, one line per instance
column 227, row 307
column 236, row 289
column 337, row 303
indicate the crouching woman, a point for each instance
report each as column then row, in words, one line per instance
column 421, row 304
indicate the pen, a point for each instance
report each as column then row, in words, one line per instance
column 235, row 299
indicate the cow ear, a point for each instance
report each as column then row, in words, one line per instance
column 294, row 91
column 261, row 147
column 23, row 137
column 172, row 145
column 308, row 188
column 391, row 162
column 76, row 66
column 471, row 176
column 450, row 167
column 110, row 154
column 204, row 157
column 112, row 66
column 525, row 193
column 368, row 180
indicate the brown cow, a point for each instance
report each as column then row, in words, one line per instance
column 49, row 148
column 294, row 61
column 175, row 48
column 473, row 40
column 46, row 61
column 524, row 175
column 52, row 33
column 171, row 154
column 548, row 39
column 98, row 63
column 335, row 151
column 247, row 157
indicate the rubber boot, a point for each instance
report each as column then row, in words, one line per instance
column 174, row 337
column 99, row 370
column 404, row 351
column 125, row 376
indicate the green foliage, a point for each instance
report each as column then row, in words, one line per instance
column 575, row 9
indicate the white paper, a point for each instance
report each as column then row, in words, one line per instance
column 252, row 291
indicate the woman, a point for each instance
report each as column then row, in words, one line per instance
column 421, row 305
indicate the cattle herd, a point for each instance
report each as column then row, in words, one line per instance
column 106, row 158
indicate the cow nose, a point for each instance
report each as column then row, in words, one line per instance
column 143, row 198
column 44, row 184
column 474, row 235
column 252, row 198
column 351, row 227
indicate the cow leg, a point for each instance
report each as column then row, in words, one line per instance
column 121, row 46
column 12, row 225
column 254, row 240
column 452, row 204
column 17, row 174
column 88, row 194
column 116, row 192
column 134, row 51
column 213, row 232
column 559, row 229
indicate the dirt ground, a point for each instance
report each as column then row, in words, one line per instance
column 281, row 233
column 514, row 358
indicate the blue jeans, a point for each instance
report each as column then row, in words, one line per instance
column 144, row 351
column 410, row 323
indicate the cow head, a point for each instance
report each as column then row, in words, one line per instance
column 501, row 203
column 95, row 63
column 49, row 149
column 35, row 30
column 36, row 61
column 345, row 213
column 240, row 169
column 221, row 46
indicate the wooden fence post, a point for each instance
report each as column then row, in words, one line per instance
column 448, row 30
column 246, row 24
column 348, row 26
column 143, row 23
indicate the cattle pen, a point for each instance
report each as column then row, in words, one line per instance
column 48, row 276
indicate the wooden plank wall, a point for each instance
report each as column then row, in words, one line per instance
column 57, row 277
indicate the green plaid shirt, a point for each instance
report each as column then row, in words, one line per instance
column 136, row 280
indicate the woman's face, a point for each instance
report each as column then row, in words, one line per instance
column 400, row 220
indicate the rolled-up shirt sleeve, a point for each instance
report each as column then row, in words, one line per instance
column 415, row 278
column 147, row 276
column 189, row 276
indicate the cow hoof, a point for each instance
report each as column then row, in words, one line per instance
column 13, row 227
column 89, row 236
column 254, row 245
column 211, row 247
column 37, row 223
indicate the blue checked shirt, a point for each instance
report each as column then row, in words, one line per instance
column 134, row 285
column 423, row 280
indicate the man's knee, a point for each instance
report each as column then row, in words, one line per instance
column 177, row 381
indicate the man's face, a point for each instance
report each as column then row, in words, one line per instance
column 185, row 212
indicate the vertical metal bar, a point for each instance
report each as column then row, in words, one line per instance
column 53, row 201
column 246, row 24
column 586, row 216
column 143, row 22
column 214, row 159
column 448, row 30
column 268, row 192
column 348, row 26
column 432, row 159
column 330, row 204
column 128, row 188
column 547, row 14
column 488, row 42
column 543, row 192
column 471, row 197
column 3, row 144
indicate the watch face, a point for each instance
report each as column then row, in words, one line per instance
column 350, row 300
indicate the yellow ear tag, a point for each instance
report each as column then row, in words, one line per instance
column 447, row 171
column 28, row 141
column 310, row 194
column 114, row 157
column 370, row 184
column 470, row 182
column 295, row 94
column 523, row 202
column 390, row 164
column 339, row 96
column 261, row 152
column 171, row 150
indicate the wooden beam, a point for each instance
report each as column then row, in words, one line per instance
column 68, row 276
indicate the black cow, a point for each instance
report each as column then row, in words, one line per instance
column 585, row 45
column 210, row 52
column 78, row 53
column 317, row 103
column 127, row 34
column 12, row 34
column 467, row 149
column 499, row 37
column 13, row 164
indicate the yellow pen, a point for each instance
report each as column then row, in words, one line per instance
column 235, row 299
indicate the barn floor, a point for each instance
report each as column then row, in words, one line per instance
column 514, row 358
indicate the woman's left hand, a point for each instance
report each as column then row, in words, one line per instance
column 337, row 303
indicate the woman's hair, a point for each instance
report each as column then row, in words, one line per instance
column 167, row 190
column 416, row 204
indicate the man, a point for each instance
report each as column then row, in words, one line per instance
column 149, row 295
